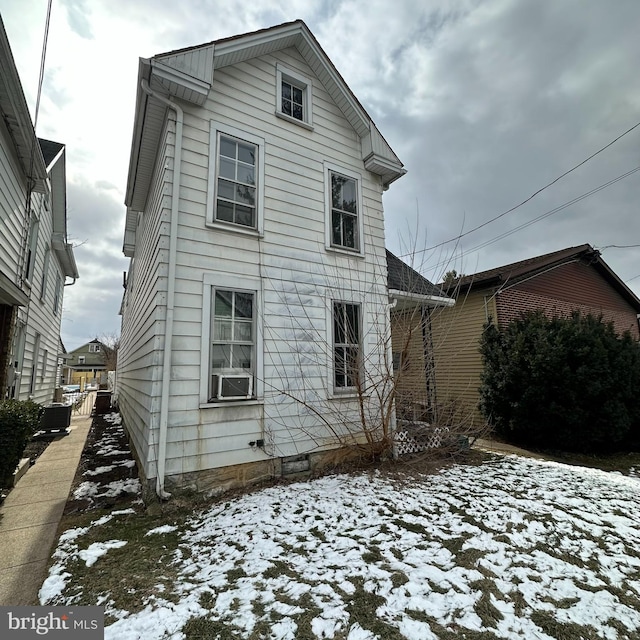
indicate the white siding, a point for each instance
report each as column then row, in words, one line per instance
column 299, row 278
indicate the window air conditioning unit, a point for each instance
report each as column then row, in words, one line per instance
column 233, row 386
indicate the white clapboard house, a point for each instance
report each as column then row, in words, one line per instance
column 258, row 272
column 36, row 260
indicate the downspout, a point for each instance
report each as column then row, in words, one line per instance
column 171, row 291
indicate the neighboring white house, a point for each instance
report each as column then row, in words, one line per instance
column 35, row 257
column 258, row 270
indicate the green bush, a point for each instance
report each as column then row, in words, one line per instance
column 19, row 420
column 562, row 383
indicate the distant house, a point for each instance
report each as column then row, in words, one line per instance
column 413, row 302
column 576, row 278
column 257, row 294
column 35, row 257
column 86, row 365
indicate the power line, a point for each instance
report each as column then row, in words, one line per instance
column 547, row 214
column 533, row 195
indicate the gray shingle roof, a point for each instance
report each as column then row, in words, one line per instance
column 402, row 277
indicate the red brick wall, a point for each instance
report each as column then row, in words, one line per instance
column 562, row 290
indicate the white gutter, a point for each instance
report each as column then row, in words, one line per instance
column 171, row 292
column 432, row 301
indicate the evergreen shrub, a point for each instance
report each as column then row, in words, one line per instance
column 19, row 420
column 568, row 383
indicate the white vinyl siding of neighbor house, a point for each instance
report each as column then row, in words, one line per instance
column 12, row 201
column 290, row 260
column 41, row 319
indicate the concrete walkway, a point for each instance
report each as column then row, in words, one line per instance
column 493, row 446
column 31, row 513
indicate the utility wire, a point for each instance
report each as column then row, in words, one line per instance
column 544, row 215
column 533, row 195
column 42, row 61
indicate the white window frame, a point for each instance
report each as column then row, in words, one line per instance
column 32, row 249
column 301, row 82
column 330, row 169
column 217, row 129
column 94, row 348
column 212, row 281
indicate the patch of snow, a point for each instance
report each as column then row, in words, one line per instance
column 96, row 550
column 165, row 528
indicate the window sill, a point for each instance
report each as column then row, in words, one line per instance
column 345, row 252
column 231, row 403
column 347, row 395
column 235, row 228
column 300, row 123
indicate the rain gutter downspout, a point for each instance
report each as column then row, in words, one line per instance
column 171, row 291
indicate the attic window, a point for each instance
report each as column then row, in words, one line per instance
column 293, row 100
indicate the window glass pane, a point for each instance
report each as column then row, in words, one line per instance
column 246, row 153
column 297, row 95
column 242, row 331
column 227, row 168
column 222, row 330
column 349, row 196
column 245, row 216
column 351, row 364
column 286, row 91
column 336, row 190
column 246, row 195
column 221, row 356
column 338, row 323
column 352, row 321
column 349, row 227
column 339, row 367
column 336, row 228
column 224, row 211
column 244, row 305
column 286, row 107
column 227, row 147
column 223, row 303
column 297, row 111
column 246, row 173
column 242, row 355
column 226, row 189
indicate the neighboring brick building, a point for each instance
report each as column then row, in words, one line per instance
column 572, row 279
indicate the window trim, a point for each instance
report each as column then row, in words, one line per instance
column 301, row 82
column 212, row 281
column 328, row 169
column 217, row 129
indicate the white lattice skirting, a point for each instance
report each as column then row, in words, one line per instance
column 419, row 438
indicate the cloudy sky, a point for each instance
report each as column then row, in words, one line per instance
column 485, row 102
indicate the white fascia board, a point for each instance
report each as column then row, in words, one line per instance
column 420, row 298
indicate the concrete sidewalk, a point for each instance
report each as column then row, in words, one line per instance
column 31, row 514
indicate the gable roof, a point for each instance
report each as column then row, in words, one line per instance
column 407, row 284
column 525, row 269
column 188, row 74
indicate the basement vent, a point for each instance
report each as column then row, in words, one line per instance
column 295, row 464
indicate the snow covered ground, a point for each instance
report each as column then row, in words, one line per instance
column 511, row 548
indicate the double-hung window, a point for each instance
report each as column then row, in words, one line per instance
column 233, row 349
column 343, row 208
column 344, row 212
column 294, row 97
column 236, row 180
column 347, row 360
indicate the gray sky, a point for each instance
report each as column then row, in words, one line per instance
column 485, row 102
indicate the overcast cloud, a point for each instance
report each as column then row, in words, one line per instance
column 484, row 102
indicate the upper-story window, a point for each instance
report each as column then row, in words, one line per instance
column 236, row 179
column 294, row 96
column 343, row 200
column 94, row 348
